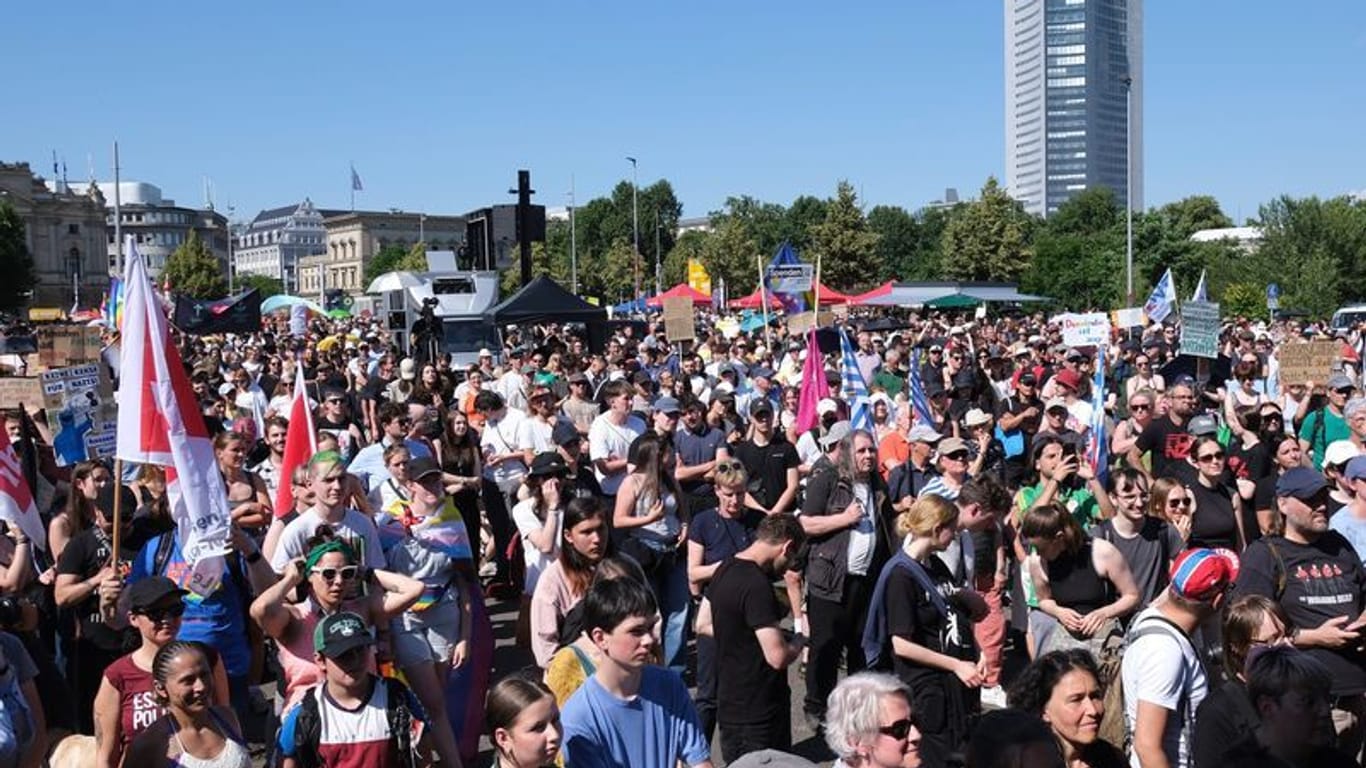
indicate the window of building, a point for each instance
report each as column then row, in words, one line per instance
column 73, row 229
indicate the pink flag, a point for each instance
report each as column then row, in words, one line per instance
column 300, row 444
column 16, row 500
column 159, row 424
column 814, row 385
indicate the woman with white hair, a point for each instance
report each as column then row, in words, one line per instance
column 869, row 723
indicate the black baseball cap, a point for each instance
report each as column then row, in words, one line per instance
column 548, row 463
column 422, row 467
column 145, row 593
column 564, row 433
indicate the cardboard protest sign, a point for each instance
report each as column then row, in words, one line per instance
column 81, row 411
column 1128, row 317
column 1200, row 329
column 63, row 345
column 1309, row 361
column 678, row 319
column 21, row 389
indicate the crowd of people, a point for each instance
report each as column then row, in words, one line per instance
column 675, row 531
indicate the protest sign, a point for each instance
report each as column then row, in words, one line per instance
column 21, row 389
column 1200, row 329
column 789, row 278
column 81, row 411
column 678, row 319
column 298, row 320
column 1091, row 329
column 1128, row 318
column 1309, row 361
column 63, row 345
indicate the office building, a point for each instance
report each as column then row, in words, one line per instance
column 1068, row 64
column 276, row 239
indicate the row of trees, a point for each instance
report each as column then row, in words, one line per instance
column 1314, row 249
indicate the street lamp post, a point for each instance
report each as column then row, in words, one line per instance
column 659, row 259
column 573, row 242
column 635, row 226
column 1128, row 191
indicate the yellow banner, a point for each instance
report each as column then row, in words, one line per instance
column 698, row 279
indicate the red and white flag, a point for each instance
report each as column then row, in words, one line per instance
column 159, row 423
column 16, row 500
column 301, row 442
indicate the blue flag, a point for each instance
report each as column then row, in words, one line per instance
column 1163, row 298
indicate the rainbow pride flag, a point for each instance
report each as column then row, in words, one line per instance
column 114, row 303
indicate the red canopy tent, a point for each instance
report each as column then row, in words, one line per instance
column 881, row 290
column 682, row 290
column 755, row 300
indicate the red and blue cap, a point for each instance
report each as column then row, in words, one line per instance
column 1201, row 574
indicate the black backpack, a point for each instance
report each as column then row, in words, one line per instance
column 308, row 726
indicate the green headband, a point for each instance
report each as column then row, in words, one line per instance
column 316, row 554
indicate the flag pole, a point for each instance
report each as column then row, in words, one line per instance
column 816, row 293
column 116, row 538
column 763, row 298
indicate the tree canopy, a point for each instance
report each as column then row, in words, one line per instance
column 192, row 270
column 15, row 262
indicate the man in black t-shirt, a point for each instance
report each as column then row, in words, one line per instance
column 1318, row 579
column 334, row 420
column 85, row 571
column 1166, row 439
column 1021, row 412
column 771, row 460
column 754, row 701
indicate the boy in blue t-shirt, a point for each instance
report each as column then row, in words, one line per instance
column 629, row 713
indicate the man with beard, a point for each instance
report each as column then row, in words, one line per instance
column 1166, row 439
column 754, row 701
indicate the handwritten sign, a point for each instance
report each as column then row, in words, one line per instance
column 1309, row 361
column 1200, row 329
column 1128, row 317
column 21, row 389
column 63, row 345
column 81, row 411
column 1091, row 329
column 678, row 319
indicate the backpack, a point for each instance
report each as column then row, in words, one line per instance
column 308, row 726
column 16, row 720
column 1113, row 726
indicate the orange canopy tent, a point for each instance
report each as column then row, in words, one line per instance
column 682, row 290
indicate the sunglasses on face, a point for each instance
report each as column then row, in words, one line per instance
column 1141, row 407
column 898, row 730
column 165, row 613
column 1344, row 391
column 1178, row 503
column 1217, row 456
column 957, row 456
column 346, row 572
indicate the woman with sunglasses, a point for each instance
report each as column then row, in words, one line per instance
column 1217, row 518
column 1144, row 378
column 1227, row 716
column 330, row 578
column 1063, row 690
column 1141, row 406
column 1172, row 501
column 125, row 704
column 869, row 723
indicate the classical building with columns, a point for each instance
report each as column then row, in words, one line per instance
column 65, row 234
column 354, row 237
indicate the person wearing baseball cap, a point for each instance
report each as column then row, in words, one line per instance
column 1324, row 426
column 1163, row 671
column 355, row 704
column 1315, row 575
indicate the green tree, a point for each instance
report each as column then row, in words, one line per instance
column 193, row 271
column 804, row 213
column 764, row 224
column 387, row 260
column 15, row 262
column 846, row 246
column 691, row 245
column 265, row 285
column 414, row 259
column 1243, row 300
column 730, row 254
column 988, row 239
column 898, row 244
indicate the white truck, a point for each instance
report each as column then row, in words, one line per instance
column 450, row 301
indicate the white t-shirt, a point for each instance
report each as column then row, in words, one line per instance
column 501, row 437
column 534, row 434
column 524, row 515
column 862, row 537
column 607, row 440
column 1162, row 668
column 358, row 530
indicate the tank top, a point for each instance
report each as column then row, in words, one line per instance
column 1075, row 584
column 138, row 707
column 295, row 653
column 233, row 754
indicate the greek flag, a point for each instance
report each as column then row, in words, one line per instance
column 919, row 403
column 1163, row 298
column 1097, row 445
column 852, row 387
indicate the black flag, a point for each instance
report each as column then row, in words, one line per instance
column 235, row 314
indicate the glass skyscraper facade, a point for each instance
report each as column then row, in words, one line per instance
column 1068, row 65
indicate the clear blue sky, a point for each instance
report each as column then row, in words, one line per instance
column 274, row 100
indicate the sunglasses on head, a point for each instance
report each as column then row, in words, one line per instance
column 346, row 572
column 898, row 730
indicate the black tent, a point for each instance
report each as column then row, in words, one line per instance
column 544, row 301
